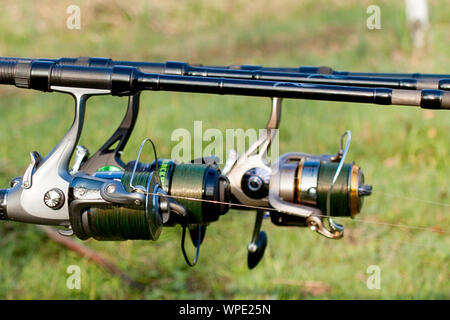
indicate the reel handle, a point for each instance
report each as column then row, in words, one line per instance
column 258, row 244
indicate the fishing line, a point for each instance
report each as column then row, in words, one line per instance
column 243, row 206
column 444, row 204
column 408, row 243
column 387, row 224
column 187, row 179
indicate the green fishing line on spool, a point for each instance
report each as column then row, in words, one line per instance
column 187, row 181
column 120, row 222
column 339, row 195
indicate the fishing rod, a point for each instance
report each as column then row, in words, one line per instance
column 185, row 69
column 104, row 198
column 329, row 71
column 128, row 80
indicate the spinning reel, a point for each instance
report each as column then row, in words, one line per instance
column 137, row 203
column 299, row 189
column 103, row 198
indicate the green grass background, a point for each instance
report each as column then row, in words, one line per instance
column 404, row 152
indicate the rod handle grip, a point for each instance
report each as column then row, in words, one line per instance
column 7, row 71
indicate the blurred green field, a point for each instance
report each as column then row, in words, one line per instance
column 404, row 152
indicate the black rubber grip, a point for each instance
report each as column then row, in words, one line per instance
column 22, row 74
column 7, row 71
column 82, row 77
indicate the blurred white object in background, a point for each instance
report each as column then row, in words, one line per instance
column 417, row 17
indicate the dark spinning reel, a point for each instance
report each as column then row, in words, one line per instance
column 103, row 198
column 135, row 202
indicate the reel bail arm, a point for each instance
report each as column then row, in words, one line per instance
column 106, row 156
column 335, row 231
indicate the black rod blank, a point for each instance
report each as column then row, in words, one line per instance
column 126, row 80
column 316, row 75
column 329, row 71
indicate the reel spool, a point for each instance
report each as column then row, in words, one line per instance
column 307, row 182
column 306, row 188
column 186, row 182
column 106, row 207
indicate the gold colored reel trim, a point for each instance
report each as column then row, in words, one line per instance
column 299, row 180
column 354, row 184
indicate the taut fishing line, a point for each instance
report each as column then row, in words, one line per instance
column 242, row 206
